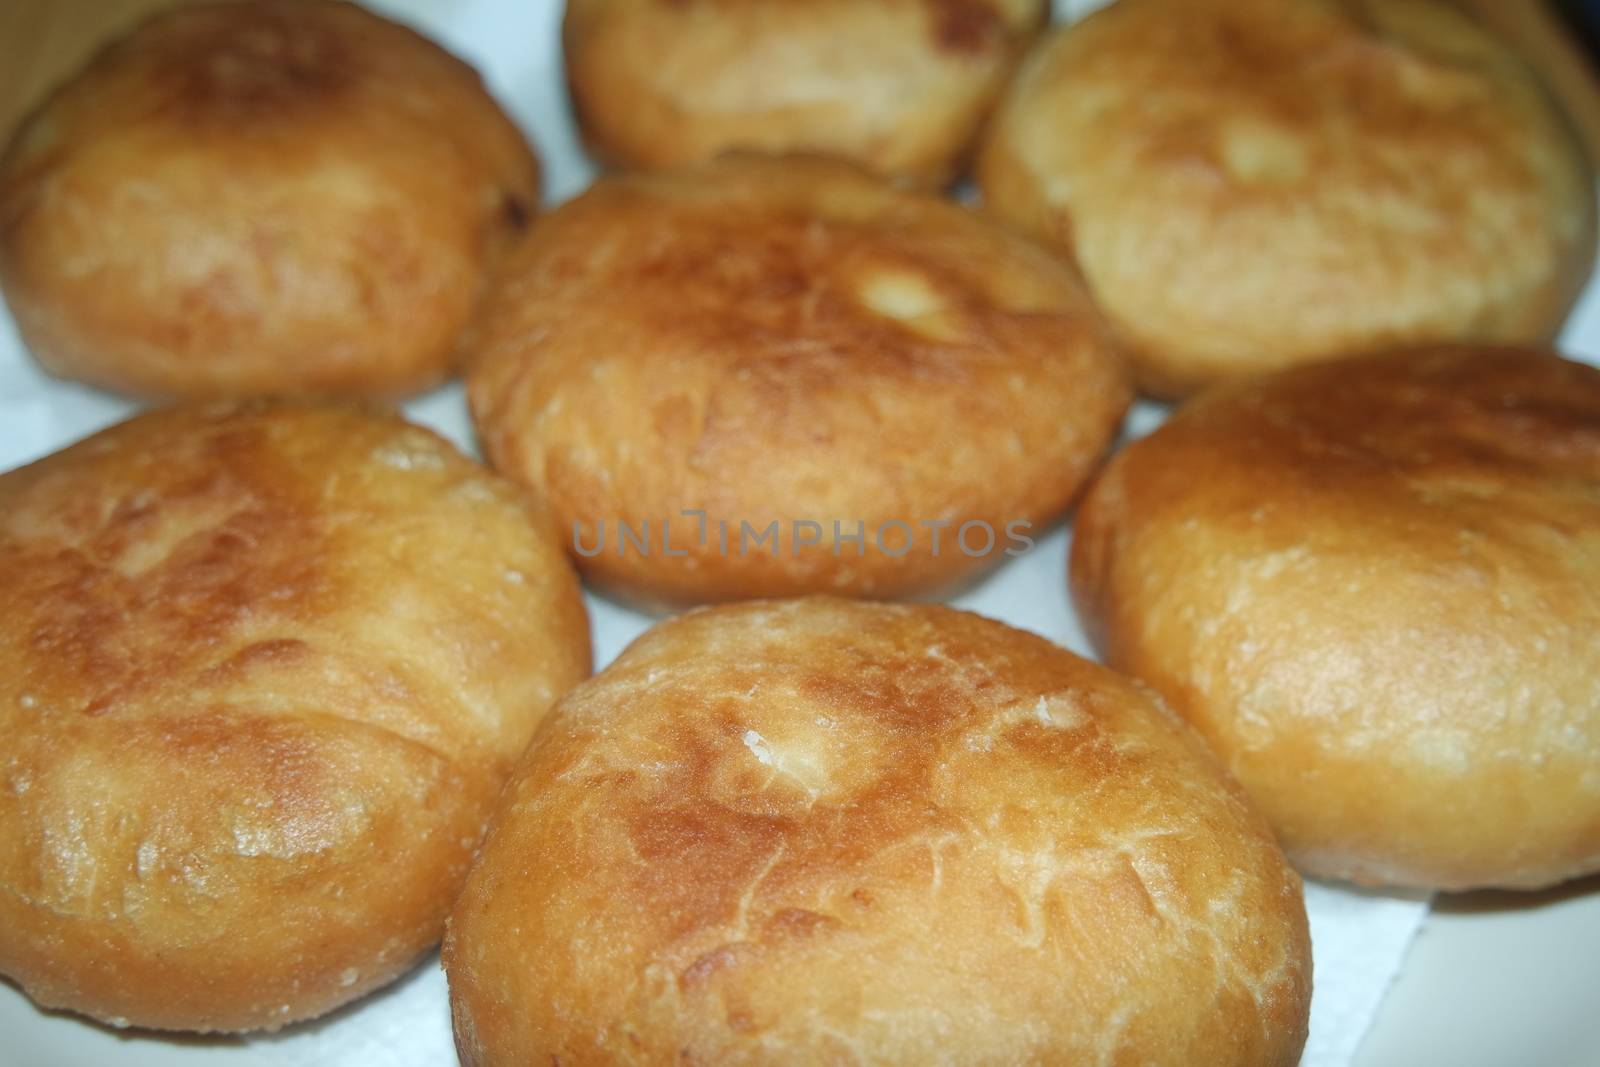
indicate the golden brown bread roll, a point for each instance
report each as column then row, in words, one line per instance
column 261, row 197
column 1251, row 184
column 262, row 673
column 774, row 342
column 1373, row 587
column 826, row 831
column 899, row 86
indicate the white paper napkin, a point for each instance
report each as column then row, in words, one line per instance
column 1359, row 939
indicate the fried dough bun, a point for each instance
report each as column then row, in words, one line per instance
column 1254, row 184
column 899, row 86
column 1374, row 586
column 263, row 671
column 774, row 341
column 823, row 830
column 262, row 197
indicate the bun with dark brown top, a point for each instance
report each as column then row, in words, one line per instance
column 1374, row 586
column 825, row 831
column 900, row 86
column 262, row 197
column 1253, row 184
column 263, row 671
column 776, row 341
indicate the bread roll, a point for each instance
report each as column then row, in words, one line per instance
column 752, row 346
column 1374, row 586
column 262, row 197
column 824, row 831
column 263, row 671
column 899, row 86
column 1253, row 184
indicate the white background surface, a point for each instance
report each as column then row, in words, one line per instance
column 1496, row 986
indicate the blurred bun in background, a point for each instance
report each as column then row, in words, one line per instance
column 900, row 86
column 266, row 197
column 1251, row 184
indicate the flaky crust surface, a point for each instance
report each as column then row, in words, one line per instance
column 263, row 197
column 900, row 86
column 1373, row 587
column 781, row 340
column 1251, row 184
column 262, row 673
column 828, row 831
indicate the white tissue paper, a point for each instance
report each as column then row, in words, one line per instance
column 1359, row 938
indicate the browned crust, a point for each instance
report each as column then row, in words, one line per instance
column 827, row 831
column 899, row 86
column 1252, row 184
column 262, row 673
column 1372, row 586
column 781, row 340
column 264, row 197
